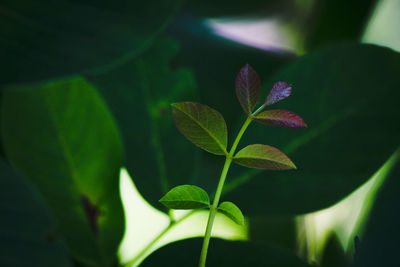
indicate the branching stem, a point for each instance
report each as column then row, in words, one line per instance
column 214, row 206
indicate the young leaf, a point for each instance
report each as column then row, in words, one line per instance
column 279, row 91
column 202, row 125
column 263, row 157
column 232, row 212
column 282, row 118
column 248, row 88
column 185, row 197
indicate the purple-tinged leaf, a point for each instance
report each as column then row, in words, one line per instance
column 248, row 88
column 282, row 118
column 202, row 125
column 279, row 91
column 263, row 157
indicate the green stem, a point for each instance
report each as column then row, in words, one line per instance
column 214, row 206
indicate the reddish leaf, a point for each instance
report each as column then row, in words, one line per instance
column 248, row 88
column 263, row 157
column 279, row 91
column 282, row 118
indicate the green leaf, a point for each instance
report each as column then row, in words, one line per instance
column 231, row 211
column 348, row 95
column 61, row 136
column 202, row 125
column 49, row 39
column 263, row 157
column 139, row 96
column 186, row 197
column 225, row 253
column 27, row 231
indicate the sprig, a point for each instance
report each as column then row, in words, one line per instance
column 206, row 128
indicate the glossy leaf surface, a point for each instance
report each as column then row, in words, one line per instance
column 27, row 231
column 263, row 157
column 282, row 118
column 232, row 212
column 62, row 137
column 279, row 91
column 186, row 197
column 202, row 125
column 248, row 88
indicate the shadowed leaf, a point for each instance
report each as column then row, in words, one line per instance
column 232, row 212
column 248, row 88
column 282, row 118
column 263, row 157
column 279, row 91
column 62, row 137
column 202, row 125
column 186, row 197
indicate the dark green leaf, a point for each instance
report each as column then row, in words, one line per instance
column 27, row 232
column 46, row 38
column 224, row 253
column 186, row 197
column 231, row 211
column 263, row 157
column 348, row 96
column 202, row 125
column 62, row 137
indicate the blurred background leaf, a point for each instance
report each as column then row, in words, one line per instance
column 62, row 137
column 28, row 235
column 139, row 95
column 224, row 253
column 46, row 39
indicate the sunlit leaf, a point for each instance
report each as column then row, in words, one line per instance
column 279, row 91
column 186, row 197
column 263, row 157
column 248, row 88
column 231, row 211
column 202, row 125
column 62, row 137
column 27, row 231
column 282, row 118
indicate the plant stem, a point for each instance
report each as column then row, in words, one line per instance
column 214, row 206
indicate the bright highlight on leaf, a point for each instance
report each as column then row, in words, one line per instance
column 248, row 88
column 202, row 125
column 232, row 212
column 263, row 157
column 186, row 197
column 279, row 91
column 282, row 118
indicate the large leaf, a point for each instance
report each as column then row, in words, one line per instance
column 186, row 197
column 348, row 95
column 263, row 157
column 202, row 125
column 44, row 38
column 28, row 236
column 139, row 95
column 223, row 253
column 62, row 137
